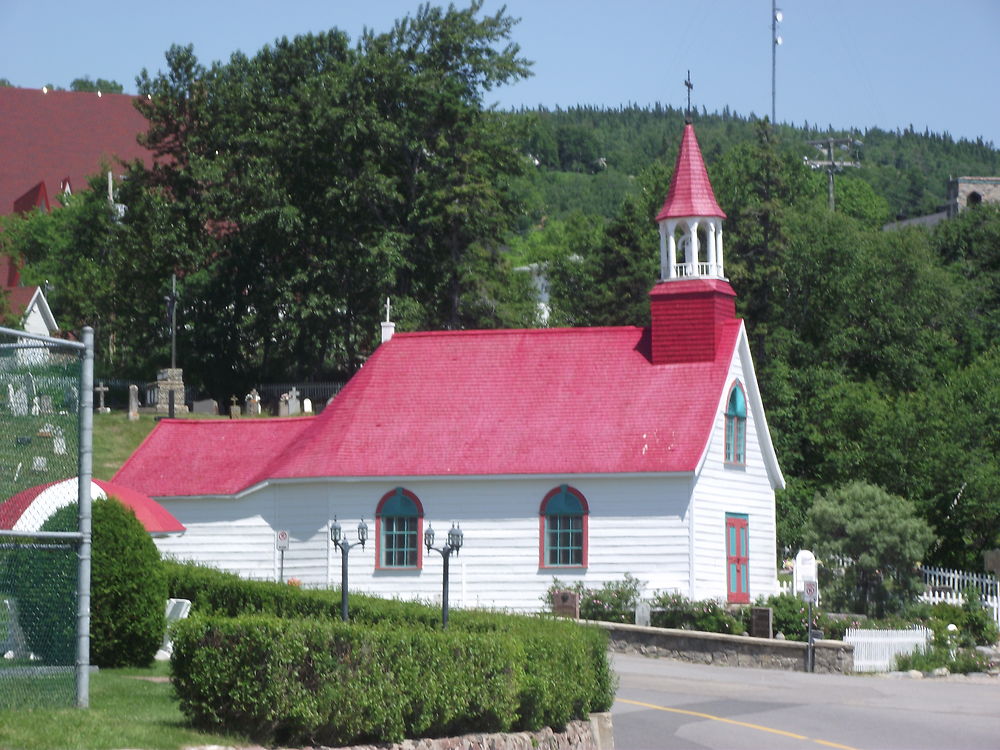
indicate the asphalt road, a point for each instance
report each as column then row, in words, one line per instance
column 669, row 705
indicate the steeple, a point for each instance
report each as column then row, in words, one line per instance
column 693, row 302
column 691, row 211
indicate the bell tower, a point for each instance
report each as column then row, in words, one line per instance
column 693, row 299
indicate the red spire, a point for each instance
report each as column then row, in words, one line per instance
column 690, row 191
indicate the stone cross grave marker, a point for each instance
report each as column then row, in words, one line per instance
column 100, row 390
column 234, row 408
column 294, row 407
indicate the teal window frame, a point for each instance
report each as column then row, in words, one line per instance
column 399, row 518
column 736, row 427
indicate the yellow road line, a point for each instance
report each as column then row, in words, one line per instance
column 748, row 725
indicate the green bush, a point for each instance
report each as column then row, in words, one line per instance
column 562, row 668
column 311, row 681
column 44, row 582
column 614, row 601
column 680, row 612
column 127, row 590
column 959, row 661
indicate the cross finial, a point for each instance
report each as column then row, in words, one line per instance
column 687, row 82
column 388, row 307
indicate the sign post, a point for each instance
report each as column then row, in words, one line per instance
column 810, row 592
column 281, row 544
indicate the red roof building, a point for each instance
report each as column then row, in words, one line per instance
column 582, row 453
column 49, row 138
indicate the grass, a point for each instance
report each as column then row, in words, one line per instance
column 127, row 709
column 115, row 438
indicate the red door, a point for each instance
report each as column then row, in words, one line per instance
column 737, row 558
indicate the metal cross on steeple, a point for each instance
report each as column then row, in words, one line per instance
column 687, row 82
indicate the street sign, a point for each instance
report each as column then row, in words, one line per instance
column 810, row 591
column 281, row 540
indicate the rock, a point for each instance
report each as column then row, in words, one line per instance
column 941, row 672
column 779, row 636
column 916, row 674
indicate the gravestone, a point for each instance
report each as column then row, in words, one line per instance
column 991, row 560
column 761, row 622
column 18, row 401
column 294, row 407
column 206, row 406
column 283, row 405
column 71, row 399
column 566, row 604
column 100, row 390
column 45, row 403
column 643, row 612
column 133, row 402
column 39, row 463
column 169, row 380
column 59, row 443
column 234, row 409
column 307, row 406
column 253, row 403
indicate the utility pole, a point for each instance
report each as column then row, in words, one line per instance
column 830, row 164
column 776, row 40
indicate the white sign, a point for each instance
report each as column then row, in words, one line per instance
column 805, row 569
column 281, row 539
column 810, row 591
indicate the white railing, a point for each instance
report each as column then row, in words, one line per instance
column 682, row 270
column 876, row 650
column 946, row 586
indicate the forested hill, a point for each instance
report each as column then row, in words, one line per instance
column 586, row 155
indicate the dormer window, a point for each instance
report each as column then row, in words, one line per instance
column 736, row 427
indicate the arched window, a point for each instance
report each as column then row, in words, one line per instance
column 736, row 427
column 563, row 529
column 398, row 521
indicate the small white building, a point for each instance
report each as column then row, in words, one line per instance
column 578, row 454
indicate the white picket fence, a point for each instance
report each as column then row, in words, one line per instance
column 876, row 650
column 944, row 585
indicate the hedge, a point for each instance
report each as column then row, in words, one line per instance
column 312, row 681
column 276, row 663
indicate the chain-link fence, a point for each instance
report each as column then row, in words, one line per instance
column 44, row 394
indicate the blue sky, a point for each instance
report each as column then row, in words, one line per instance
column 859, row 63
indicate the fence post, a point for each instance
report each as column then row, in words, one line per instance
column 84, row 497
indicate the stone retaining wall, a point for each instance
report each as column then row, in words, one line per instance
column 728, row 650
column 595, row 734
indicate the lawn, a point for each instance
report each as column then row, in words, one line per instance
column 115, row 438
column 133, row 708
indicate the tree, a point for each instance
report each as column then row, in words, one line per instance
column 880, row 540
column 101, row 84
column 316, row 179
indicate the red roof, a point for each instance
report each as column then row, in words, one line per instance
column 19, row 297
column 29, row 509
column 469, row 403
column 183, row 457
column 63, row 135
column 690, row 191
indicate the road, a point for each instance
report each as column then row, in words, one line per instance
column 669, row 705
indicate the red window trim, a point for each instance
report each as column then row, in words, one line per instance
column 378, row 531
column 586, row 529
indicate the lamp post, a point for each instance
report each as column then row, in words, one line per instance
column 337, row 536
column 454, row 545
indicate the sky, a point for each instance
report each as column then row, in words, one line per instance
column 846, row 63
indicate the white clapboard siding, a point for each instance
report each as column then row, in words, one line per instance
column 723, row 489
column 876, row 650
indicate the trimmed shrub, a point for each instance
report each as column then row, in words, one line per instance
column 44, row 580
column 128, row 589
column 316, row 682
column 614, row 601
column 560, row 670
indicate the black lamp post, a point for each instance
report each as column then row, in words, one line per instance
column 454, row 545
column 337, row 536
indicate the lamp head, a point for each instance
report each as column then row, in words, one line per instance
column 455, row 537
column 429, row 537
column 362, row 532
column 336, row 532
